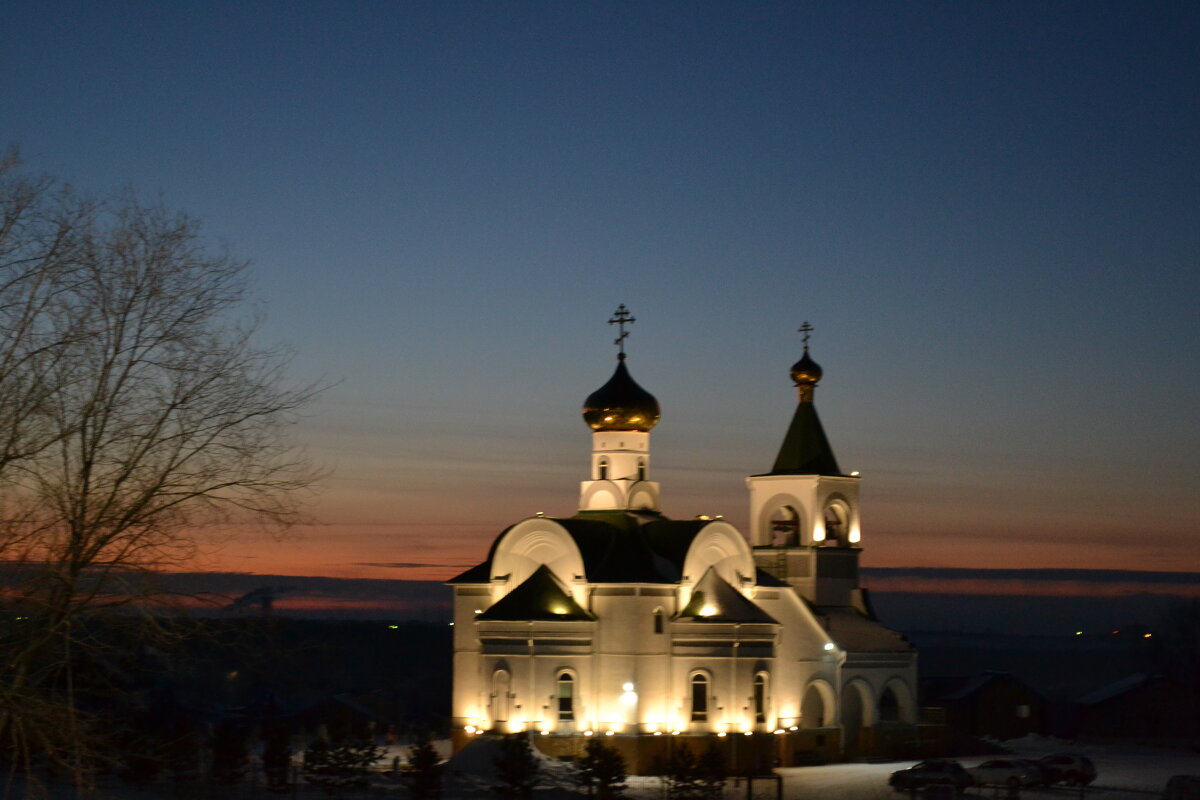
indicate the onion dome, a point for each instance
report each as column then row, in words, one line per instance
column 620, row 404
column 806, row 372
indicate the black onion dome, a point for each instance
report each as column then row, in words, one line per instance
column 621, row 405
column 806, row 371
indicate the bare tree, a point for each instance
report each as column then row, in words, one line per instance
column 136, row 413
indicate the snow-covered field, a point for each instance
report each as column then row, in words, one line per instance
column 1125, row 772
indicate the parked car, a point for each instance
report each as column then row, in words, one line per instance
column 1182, row 787
column 1003, row 772
column 1039, row 771
column 1069, row 768
column 933, row 772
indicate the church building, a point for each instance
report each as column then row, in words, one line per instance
column 621, row 623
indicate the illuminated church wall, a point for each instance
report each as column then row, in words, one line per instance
column 620, row 622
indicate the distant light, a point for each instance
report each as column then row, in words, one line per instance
column 855, row 474
column 748, row 733
column 545, row 733
column 1079, row 633
column 469, row 729
column 674, row 733
column 397, row 627
column 794, row 728
column 708, row 610
column 1115, row 633
column 451, row 624
column 479, row 611
column 558, row 609
column 829, row 645
column 721, row 734
column 658, row 733
column 588, row 733
column 626, row 687
column 1147, row 635
column 608, row 733
column 778, row 731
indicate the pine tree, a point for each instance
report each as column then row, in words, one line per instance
column 277, row 758
column 711, row 772
column 516, row 768
column 602, row 768
column 230, row 755
column 423, row 774
column 682, row 775
column 341, row 766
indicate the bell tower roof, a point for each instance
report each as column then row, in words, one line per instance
column 806, row 449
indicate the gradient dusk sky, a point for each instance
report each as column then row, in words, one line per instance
column 990, row 212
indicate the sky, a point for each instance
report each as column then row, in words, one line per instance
column 988, row 212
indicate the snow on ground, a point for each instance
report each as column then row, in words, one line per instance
column 1125, row 772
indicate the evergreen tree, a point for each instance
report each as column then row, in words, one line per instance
column 682, row 775
column 602, row 768
column 516, row 768
column 340, row 766
column 277, row 758
column 423, row 774
column 711, row 771
column 230, row 754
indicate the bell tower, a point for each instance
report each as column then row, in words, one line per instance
column 620, row 414
column 804, row 522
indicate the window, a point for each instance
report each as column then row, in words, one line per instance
column 641, row 469
column 699, row 698
column 658, row 620
column 566, row 696
column 760, row 697
column 602, row 470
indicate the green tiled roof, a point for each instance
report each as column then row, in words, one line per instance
column 538, row 598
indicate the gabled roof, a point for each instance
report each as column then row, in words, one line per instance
column 1117, row 688
column 805, row 449
column 714, row 600
column 538, row 598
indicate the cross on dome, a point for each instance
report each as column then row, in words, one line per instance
column 806, row 329
column 621, row 317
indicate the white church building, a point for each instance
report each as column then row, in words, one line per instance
column 619, row 622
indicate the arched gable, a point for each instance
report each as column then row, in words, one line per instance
column 719, row 545
column 531, row 543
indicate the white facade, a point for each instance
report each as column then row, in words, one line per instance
column 619, row 622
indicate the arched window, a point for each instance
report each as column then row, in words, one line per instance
column 760, row 697
column 658, row 620
column 641, row 469
column 785, row 527
column 602, row 469
column 566, row 696
column 699, row 697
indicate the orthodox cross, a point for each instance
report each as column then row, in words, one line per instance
column 621, row 318
column 806, row 329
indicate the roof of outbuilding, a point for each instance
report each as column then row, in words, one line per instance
column 538, row 598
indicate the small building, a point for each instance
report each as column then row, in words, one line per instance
column 617, row 621
column 991, row 704
column 1142, row 707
